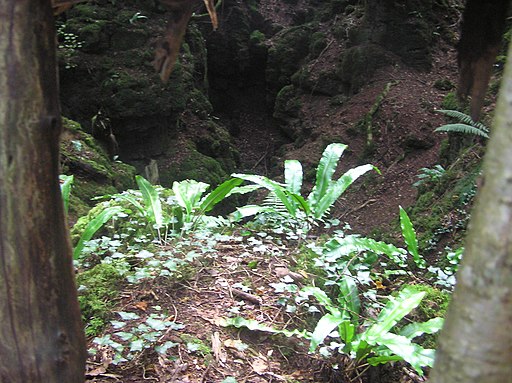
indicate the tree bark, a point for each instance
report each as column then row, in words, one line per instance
column 475, row 344
column 41, row 334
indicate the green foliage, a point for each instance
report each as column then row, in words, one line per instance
column 195, row 345
column 429, row 175
column 434, row 304
column 358, row 318
column 69, row 44
column 376, row 344
column 351, row 264
column 441, row 211
column 135, row 335
column 156, row 210
column 93, row 226
column 466, row 124
column 410, row 239
column 445, row 274
column 285, row 199
column 66, row 182
column 153, row 207
column 257, row 37
column 97, row 289
column 450, row 101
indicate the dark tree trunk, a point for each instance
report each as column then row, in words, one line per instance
column 41, row 335
column 475, row 345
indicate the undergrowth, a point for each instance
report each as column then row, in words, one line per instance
column 368, row 302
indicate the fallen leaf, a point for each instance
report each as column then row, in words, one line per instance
column 142, row 305
column 259, row 366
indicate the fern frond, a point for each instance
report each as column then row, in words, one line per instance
column 464, row 119
column 462, row 128
column 273, row 202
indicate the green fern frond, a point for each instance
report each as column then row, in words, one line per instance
column 462, row 117
column 462, row 128
column 466, row 124
column 273, row 202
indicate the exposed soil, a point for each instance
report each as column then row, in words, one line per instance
column 404, row 140
column 202, row 304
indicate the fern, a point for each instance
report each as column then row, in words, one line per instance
column 273, row 202
column 466, row 124
column 462, row 128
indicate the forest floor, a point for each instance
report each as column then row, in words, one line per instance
column 204, row 349
column 247, row 277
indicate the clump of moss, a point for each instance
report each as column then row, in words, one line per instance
column 318, row 44
column 257, row 37
column 450, row 102
column 287, row 104
column 194, row 166
column 98, row 287
column 95, row 174
column 434, row 305
column 290, row 47
column 444, row 208
column 443, row 84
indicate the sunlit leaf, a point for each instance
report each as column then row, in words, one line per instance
column 323, row 328
column 410, row 239
column 93, row 226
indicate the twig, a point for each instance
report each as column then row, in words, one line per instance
column 246, row 296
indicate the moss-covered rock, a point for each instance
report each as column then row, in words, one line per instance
column 433, row 305
column 442, row 208
column 95, row 173
column 323, row 81
column 358, row 64
column 195, row 166
column 290, row 47
column 288, row 104
column 97, row 289
column 112, row 74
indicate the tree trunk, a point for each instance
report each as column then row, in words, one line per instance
column 41, row 335
column 475, row 345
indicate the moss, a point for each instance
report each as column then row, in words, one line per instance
column 287, row 104
column 82, row 222
column 93, row 36
column 318, row 44
column 195, row 344
column 443, row 84
column 194, row 166
column 77, row 207
column 290, row 46
column 450, row 102
column 199, row 104
column 434, row 305
column 444, row 208
column 95, row 174
column 98, row 287
column 257, row 37
column 86, row 190
column 358, row 64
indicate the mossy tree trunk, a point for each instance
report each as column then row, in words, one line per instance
column 475, row 345
column 41, row 335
